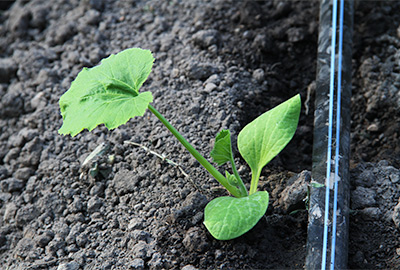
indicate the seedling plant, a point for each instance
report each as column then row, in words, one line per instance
column 109, row 94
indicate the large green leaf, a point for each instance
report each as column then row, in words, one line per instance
column 108, row 93
column 263, row 138
column 228, row 217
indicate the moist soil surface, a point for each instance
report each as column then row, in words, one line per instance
column 219, row 64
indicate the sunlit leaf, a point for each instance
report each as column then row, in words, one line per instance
column 263, row 138
column 228, row 217
column 108, row 93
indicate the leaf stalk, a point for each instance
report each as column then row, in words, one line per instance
column 207, row 165
column 255, row 176
column 242, row 187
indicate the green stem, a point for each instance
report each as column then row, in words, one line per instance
column 255, row 176
column 242, row 187
column 214, row 172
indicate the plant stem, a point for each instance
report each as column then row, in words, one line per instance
column 255, row 176
column 236, row 173
column 214, row 172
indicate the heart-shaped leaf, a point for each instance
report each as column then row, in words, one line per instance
column 228, row 217
column 108, row 93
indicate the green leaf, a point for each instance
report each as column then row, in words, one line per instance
column 316, row 184
column 232, row 180
column 263, row 138
column 228, row 217
column 108, row 93
column 222, row 151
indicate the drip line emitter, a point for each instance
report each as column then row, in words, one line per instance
column 328, row 219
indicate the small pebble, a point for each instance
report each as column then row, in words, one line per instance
column 209, row 87
column 68, row 266
column 373, row 128
column 189, row 267
column 215, row 79
column 258, row 75
column 11, row 185
column 398, row 32
column 7, row 69
column 206, row 38
column 137, row 264
column 23, row 173
column 94, row 205
column 394, row 178
column 396, row 215
column 9, row 212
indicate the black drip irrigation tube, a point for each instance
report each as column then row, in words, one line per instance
column 316, row 224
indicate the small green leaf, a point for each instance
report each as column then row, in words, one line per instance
column 228, row 217
column 316, row 184
column 222, row 151
column 232, row 180
column 263, row 138
column 108, row 93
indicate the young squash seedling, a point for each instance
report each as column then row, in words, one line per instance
column 109, row 94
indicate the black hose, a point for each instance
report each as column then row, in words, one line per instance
column 317, row 194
